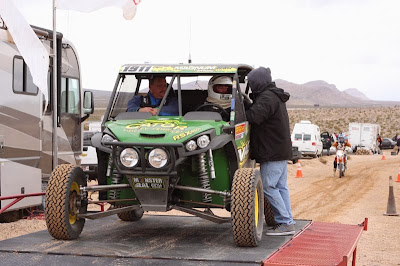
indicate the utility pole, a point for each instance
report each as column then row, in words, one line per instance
column 54, row 98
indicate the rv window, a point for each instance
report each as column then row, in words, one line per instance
column 73, row 96
column 297, row 136
column 63, row 101
column 306, row 137
column 22, row 78
column 70, row 100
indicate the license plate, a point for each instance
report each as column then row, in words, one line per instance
column 85, row 168
column 148, row 182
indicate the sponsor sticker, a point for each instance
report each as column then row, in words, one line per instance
column 240, row 130
column 185, row 134
column 148, row 182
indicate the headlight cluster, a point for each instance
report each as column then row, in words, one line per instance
column 107, row 138
column 201, row 142
column 157, row 158
column 129, row 157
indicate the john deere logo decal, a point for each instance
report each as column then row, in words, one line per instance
column 163, row 125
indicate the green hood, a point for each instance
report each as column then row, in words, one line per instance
column 161, row 129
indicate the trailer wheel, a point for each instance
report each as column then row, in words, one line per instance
column 268, row 213
column 246, row 207
column 131, row 216
column 63, row 202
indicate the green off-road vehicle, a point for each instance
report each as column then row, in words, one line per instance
column 193, row 162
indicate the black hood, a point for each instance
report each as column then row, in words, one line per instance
column 283, row 95
column 260, row 79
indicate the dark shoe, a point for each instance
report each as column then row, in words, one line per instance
column 281, row 230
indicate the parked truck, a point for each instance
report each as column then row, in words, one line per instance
column 26, row 125
column 364, row 135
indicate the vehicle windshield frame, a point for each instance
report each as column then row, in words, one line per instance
column 142, row 72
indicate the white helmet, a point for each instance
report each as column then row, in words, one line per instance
column 219, row 98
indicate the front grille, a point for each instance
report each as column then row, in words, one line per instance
column 152, row 136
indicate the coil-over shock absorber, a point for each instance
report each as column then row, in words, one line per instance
column 203, row 176
column 116, row 179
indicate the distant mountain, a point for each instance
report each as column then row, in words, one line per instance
column 313, row 93
column 356, row 93
column 320, row 93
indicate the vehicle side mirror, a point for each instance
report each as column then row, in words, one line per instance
column 88, row 102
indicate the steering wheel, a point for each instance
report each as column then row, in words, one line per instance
column 214, row 108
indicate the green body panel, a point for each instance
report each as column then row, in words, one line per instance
column 175, row 130
column 242, row 140
column 168, row 130
column 189, row 177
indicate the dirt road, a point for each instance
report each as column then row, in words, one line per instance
column 318, row 196
column 362, row 193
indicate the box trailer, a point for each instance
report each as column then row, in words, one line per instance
column 364, row 135
column 26, row 124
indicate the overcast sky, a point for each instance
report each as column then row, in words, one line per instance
column 349, row 43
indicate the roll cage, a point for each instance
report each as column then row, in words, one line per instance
column 176, row 73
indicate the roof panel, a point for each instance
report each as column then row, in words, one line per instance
column 182, row 68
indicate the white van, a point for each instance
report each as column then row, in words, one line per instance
column 307, row 137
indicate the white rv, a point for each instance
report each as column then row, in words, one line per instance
column 364, row 135
column 307, row 137
column 26, row 147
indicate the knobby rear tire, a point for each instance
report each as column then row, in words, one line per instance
column 131, row 216
column 247, row 207
column 268, row 213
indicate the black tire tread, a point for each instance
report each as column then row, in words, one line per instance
column 242, row 206
column 57, row 220
column 268, row 213
column 131, row 216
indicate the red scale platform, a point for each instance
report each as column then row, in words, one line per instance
column 320, row 244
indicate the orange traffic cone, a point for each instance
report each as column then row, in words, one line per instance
column 383, row 156
column 299, row 173
column 398, row 176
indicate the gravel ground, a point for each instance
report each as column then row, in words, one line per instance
column 362, row 193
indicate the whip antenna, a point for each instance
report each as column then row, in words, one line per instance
column 190, row 39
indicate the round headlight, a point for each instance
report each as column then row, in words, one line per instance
column 158, row 158
column 191, row 145
column 107, row 138
column 203, row 141
column 129, row 157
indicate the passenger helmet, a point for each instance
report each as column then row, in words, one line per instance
column 220, row 80
column 341, row 138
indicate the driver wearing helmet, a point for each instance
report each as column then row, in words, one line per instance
column 220, row 93
column 341, row 143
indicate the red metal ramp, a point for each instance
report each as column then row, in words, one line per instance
column 320, row 244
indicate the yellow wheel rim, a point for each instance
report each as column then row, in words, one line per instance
column 256, row 207
column 71, row 214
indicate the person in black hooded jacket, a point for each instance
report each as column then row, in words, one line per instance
column 271, row 145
